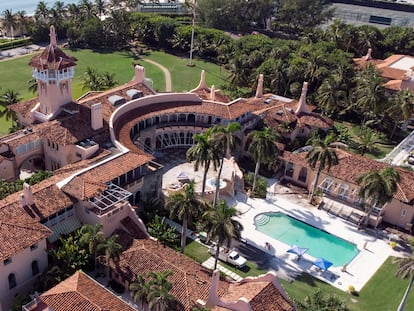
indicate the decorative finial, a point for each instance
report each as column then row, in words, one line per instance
column 302, row 100
column 259, row 90
column 368, row 56
column 213, row 93
column 52, row 35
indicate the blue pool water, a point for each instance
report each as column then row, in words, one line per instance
column 294, row 232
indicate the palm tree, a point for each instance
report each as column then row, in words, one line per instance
column 226, row 140
column 262, row 148
column 159, row 297
column 322, row 156
column 139, row 290
column 32, row 85
column 42, row 11
column 153, row 289
column 379, row 187
column 92, row 236
column 330, row 95
column 100, row 7
column 203, row 153
column 91, row 80
column 367, row 140
column 369, row 94
column 401, row 108
column 185, row 206
column 9, row 97
column 221, row 227
column 405, row 268
column 22, row 22
column 111, row 249
column 9, row 21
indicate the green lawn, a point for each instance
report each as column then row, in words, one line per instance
column 185, row 78
column 16, row 72
column 383, row 292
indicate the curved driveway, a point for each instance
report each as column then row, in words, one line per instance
column 165, row 71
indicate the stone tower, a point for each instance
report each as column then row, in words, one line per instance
column 53, row 71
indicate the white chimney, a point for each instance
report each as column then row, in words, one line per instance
column 213, row 93
column 96, row 116
column 28, row 194
column 22, row 200
column 259, row 90
column 302, row 101
column 368, row 56
column 139, row 74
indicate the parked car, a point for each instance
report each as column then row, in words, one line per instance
column 228, row 255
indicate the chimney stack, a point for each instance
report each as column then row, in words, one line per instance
column 22, row 200
column 52, row 35
column 139, row 74
column 368, row 56
column 213, row 93
column 28, row 194
column 302, row 101
column 96, row 116
column 259, row 90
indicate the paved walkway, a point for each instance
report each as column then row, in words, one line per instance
column 168, row 83
column 209, row 264
column 373, row 251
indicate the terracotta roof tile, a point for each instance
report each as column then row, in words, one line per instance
column 15, row 237
column 351, row 166
column 190, row 280
column 52, row 57
column 81, row 293
column 262, row 296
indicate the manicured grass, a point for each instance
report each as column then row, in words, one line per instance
column 185, row 78
column 382, row 148
column 383, row 292
column 4, row 125
column 196, row 251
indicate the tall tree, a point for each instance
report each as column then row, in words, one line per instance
column 221, row 226
column 405, row 268
column 262, row 148
column 367, row 140
column 400, row 108
column 226, row 139
column 9, row 22
column 139, row 290
column 92, row 236
column 331, row 97
column 203, row 153
column 42, row 12
column 369, row 93
column 159, row 297
column 9, row 97
column 185, row 206
column 320, row 157
column 378, row 187
column 111, row 249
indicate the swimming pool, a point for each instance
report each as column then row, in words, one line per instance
column 294, row 232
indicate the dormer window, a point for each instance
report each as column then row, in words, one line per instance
column 33, row 247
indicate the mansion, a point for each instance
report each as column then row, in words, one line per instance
column 102, row 151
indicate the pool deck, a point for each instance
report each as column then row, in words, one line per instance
column 358, row 271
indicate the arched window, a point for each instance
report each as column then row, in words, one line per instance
column 191, row 117
column 35, row 267
column 12, row 281
column 303, row 174
column 182, row 118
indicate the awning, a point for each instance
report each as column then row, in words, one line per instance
column 64, row 227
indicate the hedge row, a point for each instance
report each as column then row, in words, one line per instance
column 14, row 44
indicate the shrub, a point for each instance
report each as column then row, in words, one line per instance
column 261, row 185
column 351, row 290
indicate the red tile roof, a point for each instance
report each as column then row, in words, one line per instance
column 54, row 58
column 190, row 280
column 351, row 166
column 262, row 296
column 15, row 237
column 81, row 293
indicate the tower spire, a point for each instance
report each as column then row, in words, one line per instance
column 52, row 35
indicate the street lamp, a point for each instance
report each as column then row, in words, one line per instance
column 192, row 34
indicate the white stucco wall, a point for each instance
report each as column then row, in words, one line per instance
column 21, row 266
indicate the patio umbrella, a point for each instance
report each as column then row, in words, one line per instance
column 322, row 263
column 297, row 250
